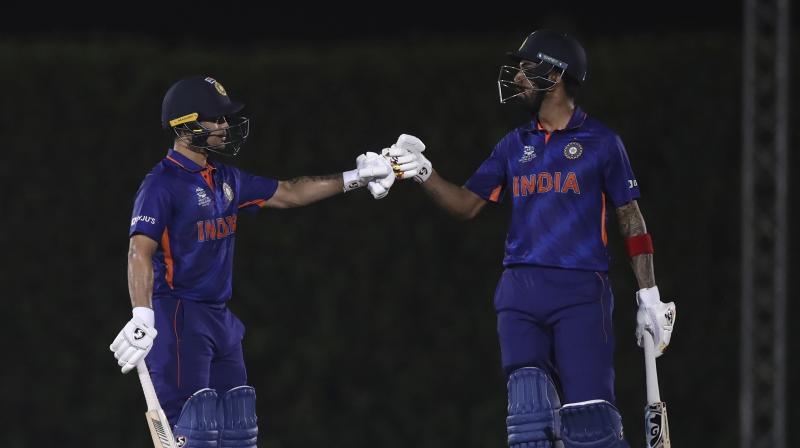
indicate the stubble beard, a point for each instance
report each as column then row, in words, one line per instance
column 532, row 101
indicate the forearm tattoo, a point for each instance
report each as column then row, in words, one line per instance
column 310, row 179
column 631, row 223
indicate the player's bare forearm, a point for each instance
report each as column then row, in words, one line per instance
column 458, row 201
column 140, row 270
column 631, row 223
column 305, row 190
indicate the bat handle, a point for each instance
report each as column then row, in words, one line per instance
column 147, row 386
column 653, row 394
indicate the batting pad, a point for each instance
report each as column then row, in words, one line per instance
column 236, row 412
column 533, row 419
column 592, row 424
column 197, row 424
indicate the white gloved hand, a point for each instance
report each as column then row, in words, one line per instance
column 135, row 340
column 380, row 186
column 655, row 317
column 368, row 167
column 407, row 159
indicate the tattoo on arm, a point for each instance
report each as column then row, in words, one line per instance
column 309, row 179
column 631, row 223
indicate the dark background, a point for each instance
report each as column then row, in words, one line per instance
column 368, row 323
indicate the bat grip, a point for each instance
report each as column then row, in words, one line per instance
column 147, row 386
column 651, row 374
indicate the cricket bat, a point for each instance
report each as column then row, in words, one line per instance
column 655, row 413
column 156, row 420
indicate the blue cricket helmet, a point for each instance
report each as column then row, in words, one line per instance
column 202, row 98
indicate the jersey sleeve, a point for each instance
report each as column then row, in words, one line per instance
column 254, row 191
column 489, row 179
column 619, row 182
column 151, row 209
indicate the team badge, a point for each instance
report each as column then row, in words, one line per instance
column 202, row 198
column 528, row 154
column 228, row 192
column 181, row 441
column 573, row 150
column 217, row 85
column 220, row 89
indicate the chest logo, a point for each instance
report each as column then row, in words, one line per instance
column 202, row 198
column 228, row 192
column 528, row 154
column 573, row 150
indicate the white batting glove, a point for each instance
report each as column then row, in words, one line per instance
column 407, row 159
column 655, row 317
column 380, row 186
column 368, row 167
column 135, row 340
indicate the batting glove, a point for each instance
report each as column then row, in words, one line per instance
column 380, row 186
column 135, row 340
column 368, row 167
column 655, row 317
column 407, row 159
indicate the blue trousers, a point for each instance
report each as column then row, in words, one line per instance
column 558, row 320
column 198, row 345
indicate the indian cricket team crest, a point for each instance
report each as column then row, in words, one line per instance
column 202, row 198
column 217, row 85
column 528, row 154
column 573, row 150
column 228, row 192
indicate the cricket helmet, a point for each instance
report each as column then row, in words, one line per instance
column 202, row 98
column 551, row 51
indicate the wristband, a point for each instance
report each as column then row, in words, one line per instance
column 639, row 244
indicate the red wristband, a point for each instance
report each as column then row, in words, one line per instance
column 639, row 244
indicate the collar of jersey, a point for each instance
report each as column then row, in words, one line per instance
column 186, row 163
column 576, row 121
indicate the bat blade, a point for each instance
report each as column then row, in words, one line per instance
column 656, row 425
column 159, row 429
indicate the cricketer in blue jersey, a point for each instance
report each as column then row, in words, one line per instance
column 180, row 263
column 561, row 172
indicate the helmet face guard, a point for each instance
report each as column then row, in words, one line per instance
column 233, row 136
column 515, row 81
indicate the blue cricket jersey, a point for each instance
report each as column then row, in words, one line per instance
column 191, row 212
column 560, row 183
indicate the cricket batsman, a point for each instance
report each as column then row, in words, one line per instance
column 180, row 262
column 554, row 301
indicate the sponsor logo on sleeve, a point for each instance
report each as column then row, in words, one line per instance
column 143, row 218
